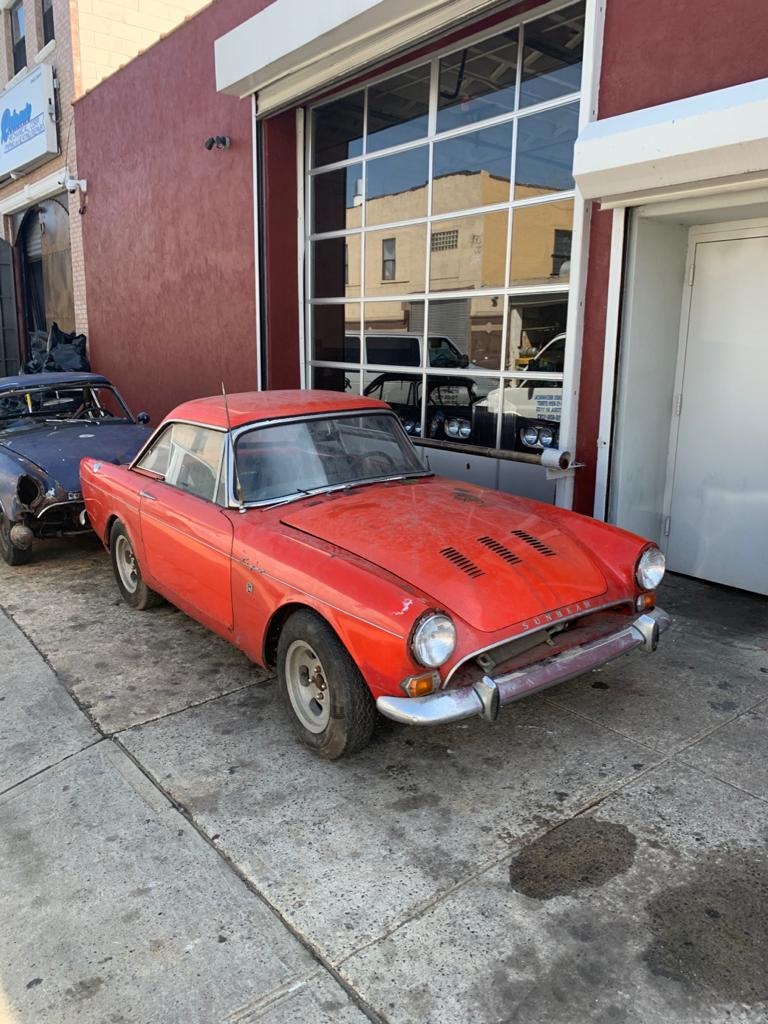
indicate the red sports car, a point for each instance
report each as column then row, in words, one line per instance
column 302, row 527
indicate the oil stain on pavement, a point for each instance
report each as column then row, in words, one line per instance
column 581, row 853
column 711, row 933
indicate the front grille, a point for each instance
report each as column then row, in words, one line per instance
column 534, row 542
column 500, row 550
column 462, row 562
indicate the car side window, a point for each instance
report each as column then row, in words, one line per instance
column 155, row 459
column 190, row 458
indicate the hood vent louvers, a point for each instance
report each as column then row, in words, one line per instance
column 534, row 542
column 500, row 550
column 462, row 562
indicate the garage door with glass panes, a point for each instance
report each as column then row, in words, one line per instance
column 440, row 216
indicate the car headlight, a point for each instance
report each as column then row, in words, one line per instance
column 530, row 436
column 465, row 429
column 650, row 568
column 546, row 437
column 433, row 639
column 452, row 427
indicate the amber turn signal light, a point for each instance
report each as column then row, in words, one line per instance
column 421, row 686
column 646, row 602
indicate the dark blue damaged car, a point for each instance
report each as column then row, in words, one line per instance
column 48, row 423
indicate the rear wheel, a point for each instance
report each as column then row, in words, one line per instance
column 10, row 554
column 135, row 591
column 332, row 708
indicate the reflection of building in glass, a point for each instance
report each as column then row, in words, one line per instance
column 467, row 253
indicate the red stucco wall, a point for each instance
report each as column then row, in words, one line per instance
column 168, row 232
column 654, row 52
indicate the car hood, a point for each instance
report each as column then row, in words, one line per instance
column 459, row 545
column 58, row 449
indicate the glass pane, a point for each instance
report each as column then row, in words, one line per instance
column 326, row 378
column 17, row 23
column 478, row 82
column 194, row 459
column 336, row 198
column 335, row 333
column 288, row 458
column 400, row 390
column 544, row 162
column 336, row 267
column 451, row 404
column 472, row 170
column 531, row 414
column 398, row 109
column 486, row 326
column 541, row 243
column 404, row 273
column 396, row 187
column 394, row 333
column 337, row 130
column 536, row 335
column 552, row 53
column 469, row 252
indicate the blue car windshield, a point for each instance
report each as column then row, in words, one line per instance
column 92, row 403
column 286, row 459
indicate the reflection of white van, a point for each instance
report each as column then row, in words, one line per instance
column 531, row 409
column 383, row 348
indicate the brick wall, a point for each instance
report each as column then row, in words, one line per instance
column 112, row 32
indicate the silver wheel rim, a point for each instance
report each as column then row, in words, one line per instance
column 307, row 686
column 126, row 564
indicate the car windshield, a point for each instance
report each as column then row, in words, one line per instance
column 286, row 459
column 68, row 402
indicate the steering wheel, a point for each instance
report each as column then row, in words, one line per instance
column 376, row 463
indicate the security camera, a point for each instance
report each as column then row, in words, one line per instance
column 210, row 142
column 72, row 185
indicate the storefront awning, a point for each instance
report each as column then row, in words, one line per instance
column 293, row 49
column 711, row 141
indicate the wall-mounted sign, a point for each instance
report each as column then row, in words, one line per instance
column 28, row 122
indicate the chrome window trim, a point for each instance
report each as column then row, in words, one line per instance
column 301, row 417
column 161, row 428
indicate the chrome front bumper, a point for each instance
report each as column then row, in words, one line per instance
column 486, row 696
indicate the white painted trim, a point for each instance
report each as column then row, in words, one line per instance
column 46, row 51
column 702, row 139
column 330, row 41
column 256, row 243
column 604, row 439
column 30, row 194
column 582, row 212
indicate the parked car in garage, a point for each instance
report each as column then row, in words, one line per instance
column 302, row 527
column 449, row 403
column 48, row 422
column 530, row 405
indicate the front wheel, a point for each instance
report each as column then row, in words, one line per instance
column 135, row 591
column 332, row 708
column 11, row 554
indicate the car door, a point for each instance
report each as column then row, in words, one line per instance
column 186, row 536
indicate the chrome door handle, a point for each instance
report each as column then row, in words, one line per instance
column 146, row 494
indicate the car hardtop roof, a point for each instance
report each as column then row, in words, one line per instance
column 254, row 406
column 27, row 381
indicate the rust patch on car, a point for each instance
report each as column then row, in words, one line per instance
column 461, row 495
column 582, row 853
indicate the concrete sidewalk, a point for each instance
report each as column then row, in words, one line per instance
column 169, row 853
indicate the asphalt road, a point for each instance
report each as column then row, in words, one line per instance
column 169, row 853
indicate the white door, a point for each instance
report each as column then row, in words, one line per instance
column 717, row 493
